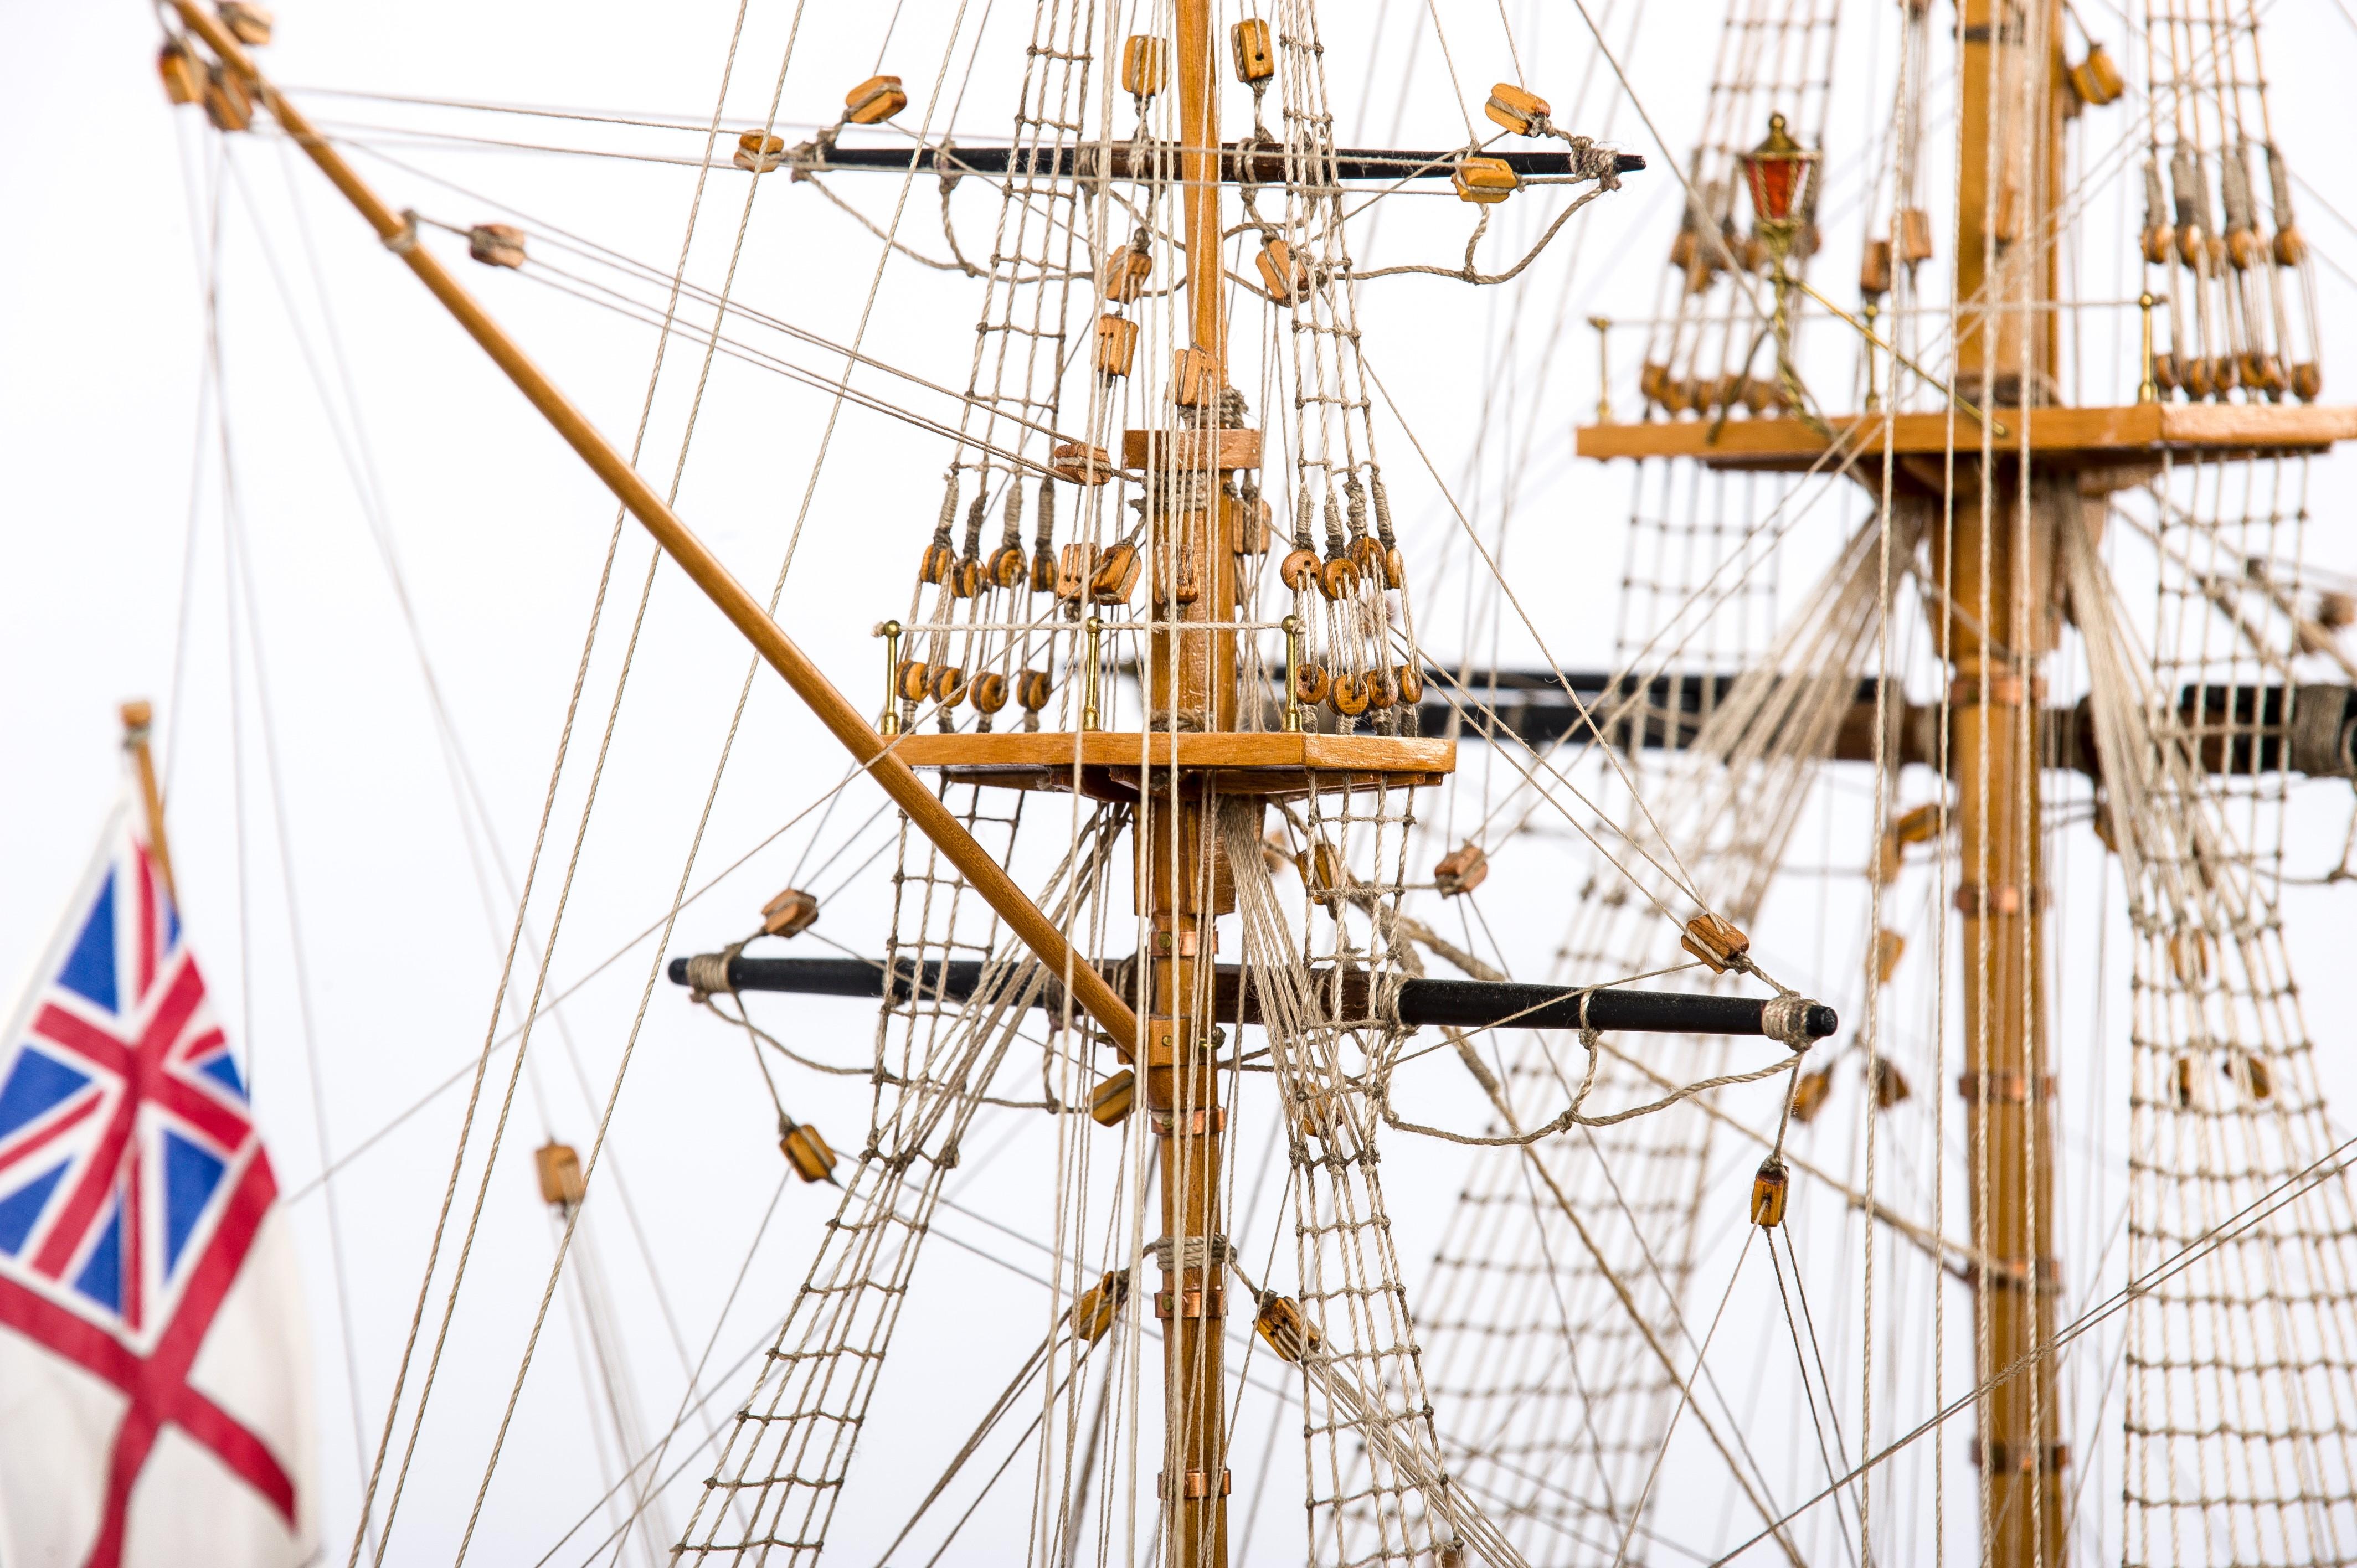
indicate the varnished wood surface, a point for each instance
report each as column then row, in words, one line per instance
column 2061, row 436
column 1191, row 449
column 1288, row 751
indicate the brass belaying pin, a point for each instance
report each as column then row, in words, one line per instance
column 1873, row 396
column 1292, row 673
column 2148, row 389
column 1603, row 325
column 1088, row 677
column 890, row 632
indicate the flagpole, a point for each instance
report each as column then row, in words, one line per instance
column 136, row 715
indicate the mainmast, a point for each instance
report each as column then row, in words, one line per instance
column 1993, row 546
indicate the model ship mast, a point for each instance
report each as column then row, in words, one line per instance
column 1990, row 486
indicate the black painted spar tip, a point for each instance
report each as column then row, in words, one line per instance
column 1462, row 1003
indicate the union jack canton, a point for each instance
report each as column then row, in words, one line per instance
column 133, row 1187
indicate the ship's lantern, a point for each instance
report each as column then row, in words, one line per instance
column 1777, row 173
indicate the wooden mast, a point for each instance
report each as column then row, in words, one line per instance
column 1191, row 685
column 1994, row 553
column 1031, row 925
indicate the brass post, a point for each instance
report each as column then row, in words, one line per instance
column 1873, row 395
column 1089, row 675
column 1603, row 325
column 2149, row 388
column 1292, row 673
column 890, row 632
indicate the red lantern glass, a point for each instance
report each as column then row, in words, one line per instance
column 1777, row 173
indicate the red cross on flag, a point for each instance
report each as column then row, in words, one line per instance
column 155, row 1375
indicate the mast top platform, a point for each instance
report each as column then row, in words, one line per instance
column 2055, row 436
column 1270, row 764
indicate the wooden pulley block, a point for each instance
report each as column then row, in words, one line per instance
column 496, row 245
column 1890, row 1085
column 1077, row 463
column 1517, row 109
column 1323, row 875
column 758, row 153
column 1461, row 870
column 1285, row 1327
column 806, row 1151
column 2290, row 245
column 1073, row 569
column 2250, row 1072
column 1716, row 941
column 249, row 24
column 1310, row 683
column 2096, row 81
column 2180, row 1085
column 2159, row 245
column 1653, row 381
column 2164, row 372
column 1410, row 681
column 1145, row 65
column 1381, row 690
column 1195, row 378
column 1339, row 578
column 1770, row 1187
column 948, row 685
column 1890, row 947
column 1043, row 571
column 2192, row 245
column 1809, row 1093
column 1367, row 552
column 1484, row 180
column 2245, row 249
column 1252, row 516
column 790, row 914
column 1758, row 395
column 1915, row 235
column 1008, row 566
column 1111, row 1101
column 1286, row 276
column 183, row 80
column 1349, row 695
column 2308, row 381
column 558, row 1165
column 1255, row 58
column 1677, row 395
column 1683, row 249
column 1115, row 577
column 2199, row 381
column 1127, row 270
column 990, row 691
column 1874, row 269
column 2335, row 610
column 966, row 581
column 1116, row 345
column 1189, row 570
column 227, row 104
column 1032, row 689
column 938, row 564
column 913, row 681
column 874, row 101
column 1298, row 571
column 1098, row 1308
column 2189, row 955
column 2263, row 372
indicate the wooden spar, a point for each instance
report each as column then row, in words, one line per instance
column 136, row 716
column 1994, row 552
column 1031, row 925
